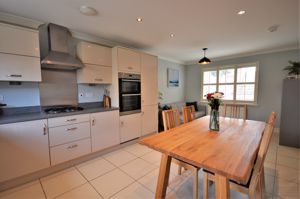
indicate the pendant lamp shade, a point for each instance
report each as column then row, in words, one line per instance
column 204, row 60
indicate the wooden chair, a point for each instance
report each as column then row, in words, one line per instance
column 235, row 111
column 255, row 184
column 188, row 113
column 171, row 119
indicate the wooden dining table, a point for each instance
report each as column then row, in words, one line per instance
column 229, row 153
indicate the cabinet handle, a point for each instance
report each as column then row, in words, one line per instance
column 45, row 129
column 72, row 146
column 72, row 129
column 130, row 68
column 71, row 120
column 99, row 80
column 14, row 75
column 93, row 121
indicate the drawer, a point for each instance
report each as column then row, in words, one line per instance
column 70, row 151
column 72, row 119
column 64, row 134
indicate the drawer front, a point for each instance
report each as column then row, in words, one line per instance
column 64, row 134
column 72, row 119
column 94, row 74
column 70, row 151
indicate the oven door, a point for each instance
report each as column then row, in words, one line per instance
column 129, row 86
column 130, row 103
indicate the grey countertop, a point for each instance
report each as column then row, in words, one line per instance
column 23, row 116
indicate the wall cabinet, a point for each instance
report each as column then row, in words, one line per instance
column 128, row 60
column 130, row 127
column 104, row 130
column 149, row 119
column 93, row 74
column 23, row 148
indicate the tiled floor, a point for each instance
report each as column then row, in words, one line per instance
column 131, row 173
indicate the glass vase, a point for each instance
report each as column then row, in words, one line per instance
column 214, row 120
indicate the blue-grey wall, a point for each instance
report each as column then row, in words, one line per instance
column 269, row 83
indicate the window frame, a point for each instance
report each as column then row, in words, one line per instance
column 235, row 83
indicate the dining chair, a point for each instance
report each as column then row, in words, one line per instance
column 171, row 119
column 235, row 111
column 255, row 184
column 188, row 113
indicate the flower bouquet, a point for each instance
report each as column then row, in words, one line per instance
column 214, row 101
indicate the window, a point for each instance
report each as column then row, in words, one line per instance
column 237, row 82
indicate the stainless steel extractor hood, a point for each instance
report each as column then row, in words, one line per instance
column 56, row 50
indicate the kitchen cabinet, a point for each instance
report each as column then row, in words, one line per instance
column 104, row 130
column 149, row 79
column 98, row 64
column 23, row 148
column 130, row 127
column 149, row 119
column 93, row 74
column 19, row 41
column 67, row 120
column 128, row 60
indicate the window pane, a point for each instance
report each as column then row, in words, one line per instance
column 246, row 74
column 227, row 90
column 210, row 77
column 208, row 89
column 245, row 92
column 226, row 76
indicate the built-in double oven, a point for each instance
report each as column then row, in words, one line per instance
column 129, row 93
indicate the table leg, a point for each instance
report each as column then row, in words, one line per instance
column 163, row 177
column 222, row 187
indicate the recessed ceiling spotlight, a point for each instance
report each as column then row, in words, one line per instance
column 241, row 12
column 139, row 19
column 88, row 11
column 172, row 35
column 273, row 28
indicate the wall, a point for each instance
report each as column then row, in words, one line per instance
column 170, row 94
column 269, row 83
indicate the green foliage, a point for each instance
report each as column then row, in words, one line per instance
column 293, row 69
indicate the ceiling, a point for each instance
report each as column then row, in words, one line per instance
column 196, row 24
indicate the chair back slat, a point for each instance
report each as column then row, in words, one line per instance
column 235, row 111
column 171, row 119
column 188, row 113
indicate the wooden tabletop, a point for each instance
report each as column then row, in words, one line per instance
column 230, row 152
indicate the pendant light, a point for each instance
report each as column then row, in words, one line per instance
column 204, row 60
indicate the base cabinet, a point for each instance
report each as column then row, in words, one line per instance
column 149, row 119
column 23, row 148
column 104, row 130
column 130, row 127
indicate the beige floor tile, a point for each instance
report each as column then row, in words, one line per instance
column 153, row 157
column 288, row 162
column 271, row 156
column 287, row 173
column 85, row 191
column 134, row 191
column 111, row 182
column 288, row 151
column 137, row 149
column 286, row 190
column 61, row 182
column 119, row 157
column 95, row 168
column 138, row 168
column 32, row 190
column 270, row 168
column 269, row 183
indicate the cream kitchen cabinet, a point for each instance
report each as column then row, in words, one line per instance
column 130, row 127
column 19, row 41
column 93, row 74
column 23, row 148
column 128, row 60
column 104, row 130
column 149, row 119
column 149, row 79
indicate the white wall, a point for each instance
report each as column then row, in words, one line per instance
column 170, row 94
column 269, row 83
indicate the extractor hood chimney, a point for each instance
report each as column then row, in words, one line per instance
column 55, row 45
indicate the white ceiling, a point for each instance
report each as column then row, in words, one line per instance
column 196, row 24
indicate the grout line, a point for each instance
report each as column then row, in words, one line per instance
column 43, row 188
column 69, row 190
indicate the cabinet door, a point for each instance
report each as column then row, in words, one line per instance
column 149, row 119
column 19, row 68
column 130, row 127
column 23, row 148
column 104, row 130
column 149, row 79
column 129, row 60
column 93, row 74
column 94, row 54
column 19, row 41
